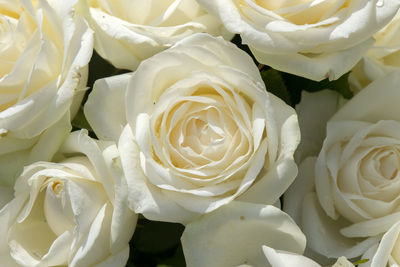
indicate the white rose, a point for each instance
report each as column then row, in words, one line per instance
column 71, row 213
column 235, row 235
column 197, row 130
column 44, row 51
column 380, row 59
column 309, row 38
column 350, row 195
column 127, row 32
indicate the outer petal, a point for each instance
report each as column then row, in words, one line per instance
column 286, row 259
column 343, row 262
column 303, row 184
column 282, row 173
column 387, row 246
column 125, row 39
column 314, row 111
column 19, row 152
column 324, row 233
column 143, row 197
column 315, row 67
column 109, row 94
column 234, row 235
column 382, row 97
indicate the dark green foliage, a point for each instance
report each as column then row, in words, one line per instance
column 156, row 244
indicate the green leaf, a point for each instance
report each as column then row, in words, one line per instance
column 340, row 85
column 177, row 260
column 295, row 85
column 361, row 261
column 80, row 122
column 155, row 237
column 275, row 84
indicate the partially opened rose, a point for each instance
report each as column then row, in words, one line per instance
column 356, row 197
column 44, row 52
column 196, row 129
column 127, row 32
column 71, row 213
column 309, row 38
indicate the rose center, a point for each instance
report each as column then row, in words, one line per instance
column 57, row 187
column 207, row 134
column 389, row 165
column 57, row 207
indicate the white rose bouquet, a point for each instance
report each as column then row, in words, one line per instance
column 191, row 159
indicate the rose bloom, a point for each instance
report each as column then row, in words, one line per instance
column 348, row 196
column 309, row 38
column 127, row 32
column 44, row 51
column 71, row 213
column 381, row 59
column 196, row 129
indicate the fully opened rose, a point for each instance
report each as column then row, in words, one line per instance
column 127, row 32
column 198, row 130
column 315, row 39
column 70, row 213
column 356, row 175
column 44, row 52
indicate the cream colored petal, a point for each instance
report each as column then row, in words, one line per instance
column 96, row 245
column 371, row 227
column 302, row 185
column 343, row 262
column 51, row 140
column 315, row 66
column 283, row 169
column 287, row 259
column 314, row 111
column 196, row 52
column 143, row 197
column 80, row 142
column 116, row 260
column 109, row 94
column 234, row 235
column 387, row 248
column 383, row 105
column 324, row 233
